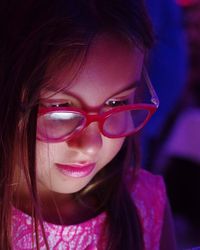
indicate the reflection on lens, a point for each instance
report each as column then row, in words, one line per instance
column 124, row 122
column 56, row 125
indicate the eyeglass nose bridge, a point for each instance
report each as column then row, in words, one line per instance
column 90, row 118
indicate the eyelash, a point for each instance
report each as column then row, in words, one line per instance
column 66, row 104
column 116, row 103
column 109, row 103
column 58, row 105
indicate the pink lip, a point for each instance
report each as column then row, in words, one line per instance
column 76, row 170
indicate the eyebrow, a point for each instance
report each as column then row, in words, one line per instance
column 131, row 86
column 64, row 90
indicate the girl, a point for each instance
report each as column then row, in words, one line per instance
column 71, row 97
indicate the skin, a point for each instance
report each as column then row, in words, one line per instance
column 110, row 70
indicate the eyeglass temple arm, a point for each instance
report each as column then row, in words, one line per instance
column 154, row 97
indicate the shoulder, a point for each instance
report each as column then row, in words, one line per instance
column 148, row 189
column 146, row 184
column 149, row 195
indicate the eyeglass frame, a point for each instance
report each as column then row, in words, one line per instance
column 101, row 117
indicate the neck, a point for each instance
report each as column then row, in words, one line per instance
column 56, row 208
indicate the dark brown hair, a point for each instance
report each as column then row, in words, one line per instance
column 33, row 34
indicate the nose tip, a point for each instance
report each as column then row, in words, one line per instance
column 89, row 141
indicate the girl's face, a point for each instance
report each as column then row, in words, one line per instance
column 106, row 80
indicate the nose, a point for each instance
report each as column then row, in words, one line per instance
column 89, row 141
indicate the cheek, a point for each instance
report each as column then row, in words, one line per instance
column 111, row 148
column 45, row 156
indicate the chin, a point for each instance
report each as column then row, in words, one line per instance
column 69, row 189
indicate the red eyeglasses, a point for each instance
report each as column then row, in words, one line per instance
column 60, row 124
column 57, row 124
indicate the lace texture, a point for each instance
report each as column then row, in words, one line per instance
column 148, row 193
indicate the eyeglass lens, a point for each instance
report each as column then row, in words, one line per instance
column 56, row 125
column 124, row 122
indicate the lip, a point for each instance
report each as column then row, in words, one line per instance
column 76, row 170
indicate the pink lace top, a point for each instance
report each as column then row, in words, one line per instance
column 149, row 195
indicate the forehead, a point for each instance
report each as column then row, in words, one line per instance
column 111, row 65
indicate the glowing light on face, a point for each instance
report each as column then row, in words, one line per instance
column 111, row 67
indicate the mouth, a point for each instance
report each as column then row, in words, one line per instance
column 76, row 170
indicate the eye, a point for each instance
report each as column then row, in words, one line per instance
column 56, row 104
column 116, row 103
column 59, row 105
